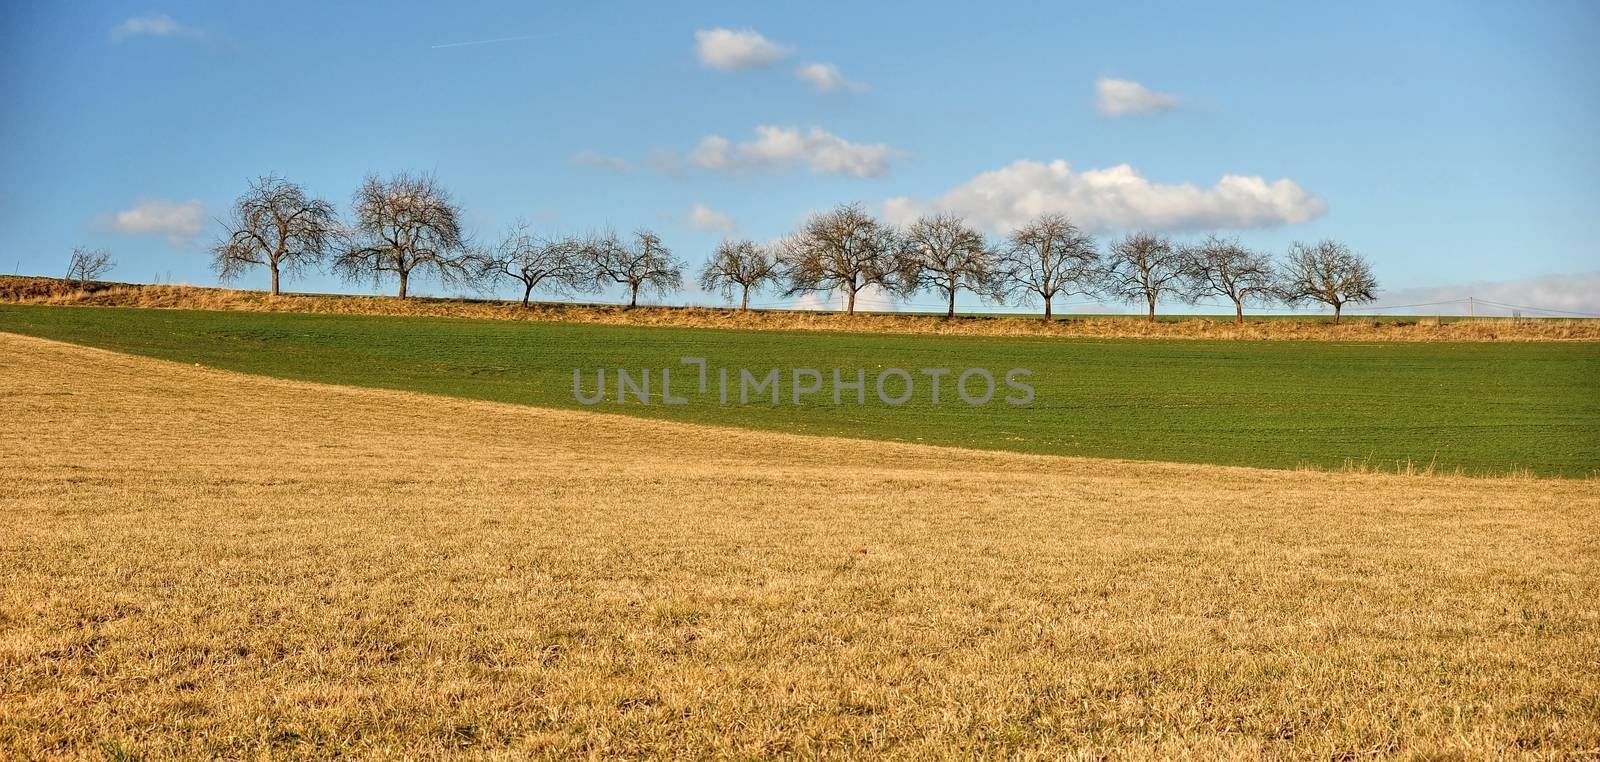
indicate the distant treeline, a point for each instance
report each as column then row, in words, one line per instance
column 409, row 226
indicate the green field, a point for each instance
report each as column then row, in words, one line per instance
column 1480, row 407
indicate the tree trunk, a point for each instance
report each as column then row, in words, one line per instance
column 744, row 302
column 1047, row 315
column 850, row 306
column 1336, row 307
column 274, row 280
column 527, row 293
column 951, row 313
column 1150, row 317
column 633, row 296
column 1238, row 312
column 404, row 276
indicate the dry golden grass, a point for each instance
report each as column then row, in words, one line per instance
column 198, row 563
column 51, row 291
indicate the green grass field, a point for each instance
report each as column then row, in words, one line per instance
column 1482, row 408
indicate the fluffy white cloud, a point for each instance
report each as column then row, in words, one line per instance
column 178, row 221
column 779, row 147
column 703, row 217
column 1116, row 198
column 730, row 50
column 825, row 78
column 1122, row 97
column 599, row 161
column 159, row 25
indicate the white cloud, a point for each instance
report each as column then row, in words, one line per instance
column 825, row 78
column 703, row 217
column 599, row 161
column 779, row 147
column 1117, row 198
column 1122, row 97
column 178, row 221
column 158, row 25
column 730, row 50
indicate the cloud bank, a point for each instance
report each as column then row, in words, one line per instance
column 1576, row 292
column 1115, row 198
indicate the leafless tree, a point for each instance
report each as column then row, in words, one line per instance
column 557, row 265
column 1327, row 272
column 744, row 265
column 639, row 263
column 408, row 224
column 277, row 225
column 946, row 254
column 1140, row 267
column 1046, row 257
column 1221, row 267
column 844, row 249
column 87, row 265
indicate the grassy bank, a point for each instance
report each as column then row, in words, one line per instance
column 1478, row 408
column 24, row 290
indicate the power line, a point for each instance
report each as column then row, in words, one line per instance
column 1540, row 309
column 1406, row 306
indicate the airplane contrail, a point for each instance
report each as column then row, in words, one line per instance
column 497, row 39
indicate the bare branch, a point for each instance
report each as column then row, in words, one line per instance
column 1221, row 267
column 1141, row 267
column 845, row 249
column 88, row 265
column 1047, row 257
column 945, row 254
column 556, row 265
column 640, row 263
column 742, row 265
column 1327, row 272
column 277, row 225
column 409, row 223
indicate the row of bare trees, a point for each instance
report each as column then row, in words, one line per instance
column 847, row 251
column 409, row 225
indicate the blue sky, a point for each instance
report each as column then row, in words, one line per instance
column 1453, row 144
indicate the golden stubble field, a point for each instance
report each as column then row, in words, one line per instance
column 198, row 563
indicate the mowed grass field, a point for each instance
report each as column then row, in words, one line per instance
column 201, row 563
column 1476, row 408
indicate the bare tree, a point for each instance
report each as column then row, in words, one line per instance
column 1140, row 268
column 744, row 265
column 1327, row 272
column 1221, row 267
column 557, row 265
column 640, row 263
column 844, row 249
column 87, row 265
column 946, row 254
column 408, row 224
column 1046, row 257
column 276, row 225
